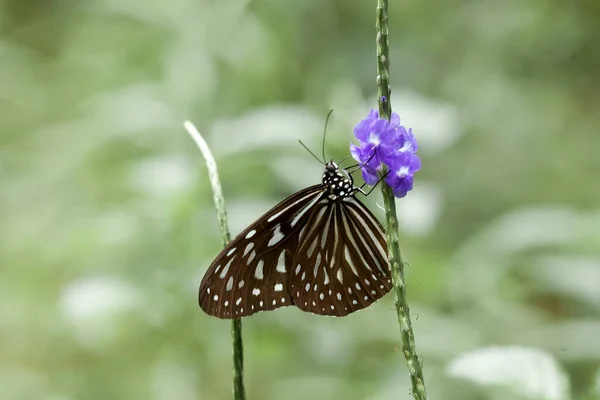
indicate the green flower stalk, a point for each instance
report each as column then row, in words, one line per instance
column 409, row 348
column 239, row 392
column 387, row 150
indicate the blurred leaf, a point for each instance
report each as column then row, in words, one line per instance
column 568, row 339
column 263, row 128
column 528, row 371
column 576, row 277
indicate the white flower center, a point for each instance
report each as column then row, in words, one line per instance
column 374, row 139
column 406, row 147
column 402, row 172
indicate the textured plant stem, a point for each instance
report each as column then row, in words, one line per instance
column 402, row 309
column 239, row 393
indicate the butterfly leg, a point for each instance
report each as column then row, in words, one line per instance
column 360, row 189
column 359, row 166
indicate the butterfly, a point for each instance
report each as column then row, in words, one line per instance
column 320, row 249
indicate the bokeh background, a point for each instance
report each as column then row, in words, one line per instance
column 107, row 222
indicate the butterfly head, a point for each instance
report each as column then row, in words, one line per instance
column 338, row 185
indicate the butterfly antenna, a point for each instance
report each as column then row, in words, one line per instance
column 343, row 159
column 324, row 132
column 324, row 161
column 311, row 153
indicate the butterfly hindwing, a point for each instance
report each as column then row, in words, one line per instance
column 251, row 272
column 341, row 264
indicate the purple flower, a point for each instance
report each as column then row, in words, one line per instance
column 386, row 143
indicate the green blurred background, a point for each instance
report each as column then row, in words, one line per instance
column 107, row 222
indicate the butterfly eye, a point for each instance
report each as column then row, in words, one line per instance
column 331, row 167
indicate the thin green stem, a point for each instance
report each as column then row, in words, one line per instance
column 383, row 60
column 239, row 392
column 402, row 309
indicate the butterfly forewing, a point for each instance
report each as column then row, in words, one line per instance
column 251, row 273
column 341, row 265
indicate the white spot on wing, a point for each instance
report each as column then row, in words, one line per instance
column 317, row 264
column 281, row 263
column 250, row 234
column 336, row 235
column 229, row 284
column 301, row 232
column 349, row 260
column 231, row 251
column 278, row 287
column 305, row 209
column 251, row 257
column 272, row 217
column 258, row 273
column 256, row 291
column 277, row 236
column 226, row 269
column 326, row 230
column 312, row 248
column 248, row 248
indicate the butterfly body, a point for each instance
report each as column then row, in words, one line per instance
column 337, row 185
column 319, row 249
